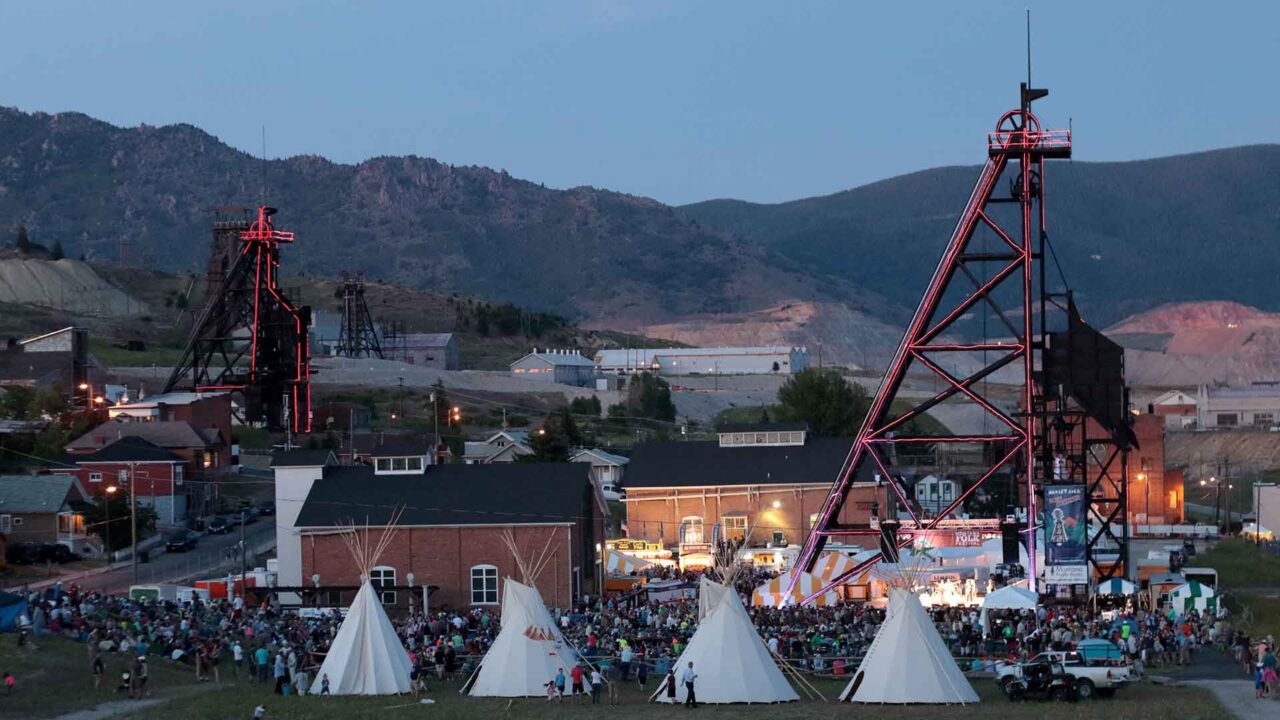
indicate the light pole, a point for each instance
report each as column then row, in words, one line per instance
column 1146, row 488
column 133, row 520
column 106, row 540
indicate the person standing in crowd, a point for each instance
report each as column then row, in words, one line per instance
column 98, row 671
column 642, row 672
column 624, row 660
column 281, row 673
column 560, row 684
column 596, row 681
column 262, row 655
column 688, row 679
column 324, row 685
column 670, row 684
column 577, row 691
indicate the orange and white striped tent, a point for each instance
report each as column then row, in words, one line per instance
column 774, row 592
column 832, row 564
column 617, row 563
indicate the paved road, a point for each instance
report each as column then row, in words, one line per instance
column 1237, row 697
column 209, row 559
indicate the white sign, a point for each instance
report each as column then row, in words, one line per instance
column 1067, row 574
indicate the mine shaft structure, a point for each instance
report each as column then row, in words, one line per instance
column 249, row 337
column 357, row 337
column 1035, row 429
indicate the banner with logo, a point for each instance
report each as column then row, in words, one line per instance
column 1066, row 530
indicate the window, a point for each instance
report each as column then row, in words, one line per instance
column 95, row 477
column 210, row 460
column 946, row 491
column 415, row 463
column 400, row 464
column 17, row 521
column 384, row 577
column 122, row 477
column 382, row 464
column 178, row 474
column 735, row 527
column 779, row 538
column 1173, row 499
column 70, row 524
column 6, row 524
column 813, row 520
column 1228, row 420
column 691, row 531
column 1264, row 419
column 484, row 585
column 1146, row 464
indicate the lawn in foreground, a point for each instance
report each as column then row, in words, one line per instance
column 1143, row 702
column 55, row 678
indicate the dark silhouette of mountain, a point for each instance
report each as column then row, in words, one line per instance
column 583, row 252
column 1129, row 235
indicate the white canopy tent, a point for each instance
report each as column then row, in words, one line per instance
column 1009, row 597
column 908, row 662
column 528, row 651
column 732, row 663
column 1193, row 596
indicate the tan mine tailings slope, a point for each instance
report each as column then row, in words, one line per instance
column 847, row 335
column 67, row 285
column 1199, row 453
column 1187, row 344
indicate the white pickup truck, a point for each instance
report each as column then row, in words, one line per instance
column 1096, row 679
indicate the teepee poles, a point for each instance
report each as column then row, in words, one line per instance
column 796, row 676
column 363, row 552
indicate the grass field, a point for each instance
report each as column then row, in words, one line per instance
column 55, row 680
column 1251, row 578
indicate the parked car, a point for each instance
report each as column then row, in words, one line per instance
column 612, row 492
column 56, row 552
column 250, row 516
column 219, row 526
column 181, row 541
column 1040, row 680
column 22, row 553
column 267, row 508
column 1090, row 678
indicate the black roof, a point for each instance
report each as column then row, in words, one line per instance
column 401, row 450
column 130, row 449
column 763, row 427
column 302, row 458
column 499, row 494
column 705, row 463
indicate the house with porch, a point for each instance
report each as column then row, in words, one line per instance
column 45, row 509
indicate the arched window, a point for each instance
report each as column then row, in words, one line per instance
column 484, row 585
column 383, row 576
column 692, row 531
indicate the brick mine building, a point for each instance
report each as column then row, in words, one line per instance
column 452, row 521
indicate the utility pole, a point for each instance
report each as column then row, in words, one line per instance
column 243, row 549
column 435, row 417
column 133, row 520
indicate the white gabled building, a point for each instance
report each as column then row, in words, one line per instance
column 765, row 360
column 1254, row 406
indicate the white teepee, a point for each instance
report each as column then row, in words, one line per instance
column 366, row 656
column 732, row 663
column 908, row 662
column 528, row 651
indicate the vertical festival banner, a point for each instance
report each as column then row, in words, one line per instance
column 1065, row 535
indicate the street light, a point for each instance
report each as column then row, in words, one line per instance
column 1146, row 489
column 777, row 504
column 106, row 540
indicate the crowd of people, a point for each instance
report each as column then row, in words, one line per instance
column 626, row 638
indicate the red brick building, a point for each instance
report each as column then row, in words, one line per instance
column 160, row 475
column 768, row 480
column 209, row 413
column 451, row 527
column 1155, row 494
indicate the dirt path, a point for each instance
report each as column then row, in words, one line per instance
column 1237, row 697
column 123, row 708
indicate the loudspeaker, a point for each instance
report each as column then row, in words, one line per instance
column 1009, row 540
column 889, row 539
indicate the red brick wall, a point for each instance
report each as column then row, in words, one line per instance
column 654, row 514
column 153, row 478
column 444, row 556
column 213, row 412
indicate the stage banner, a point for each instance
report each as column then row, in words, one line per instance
column 1066, row 529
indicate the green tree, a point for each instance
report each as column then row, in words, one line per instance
column 23, row 243
column 824, row 400
column 552, row 441
column 116, row 505
column 585, row 406
column 649, row 396
column 57, row 253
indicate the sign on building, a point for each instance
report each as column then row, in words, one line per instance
column 1066, row 535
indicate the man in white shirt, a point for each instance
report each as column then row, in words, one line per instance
column 689, row 676
column 773, row 644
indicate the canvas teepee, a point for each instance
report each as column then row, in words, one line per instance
column 732, row 663
column 529, row 649
column 366, row 656
column 908, row 662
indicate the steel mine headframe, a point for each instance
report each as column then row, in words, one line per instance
column 249, row 337
column 990, row 283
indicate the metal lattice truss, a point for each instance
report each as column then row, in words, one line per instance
column 357, row 337
column 992, row 278
column 250, row 338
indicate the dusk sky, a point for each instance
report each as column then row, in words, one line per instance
column 681, row 101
